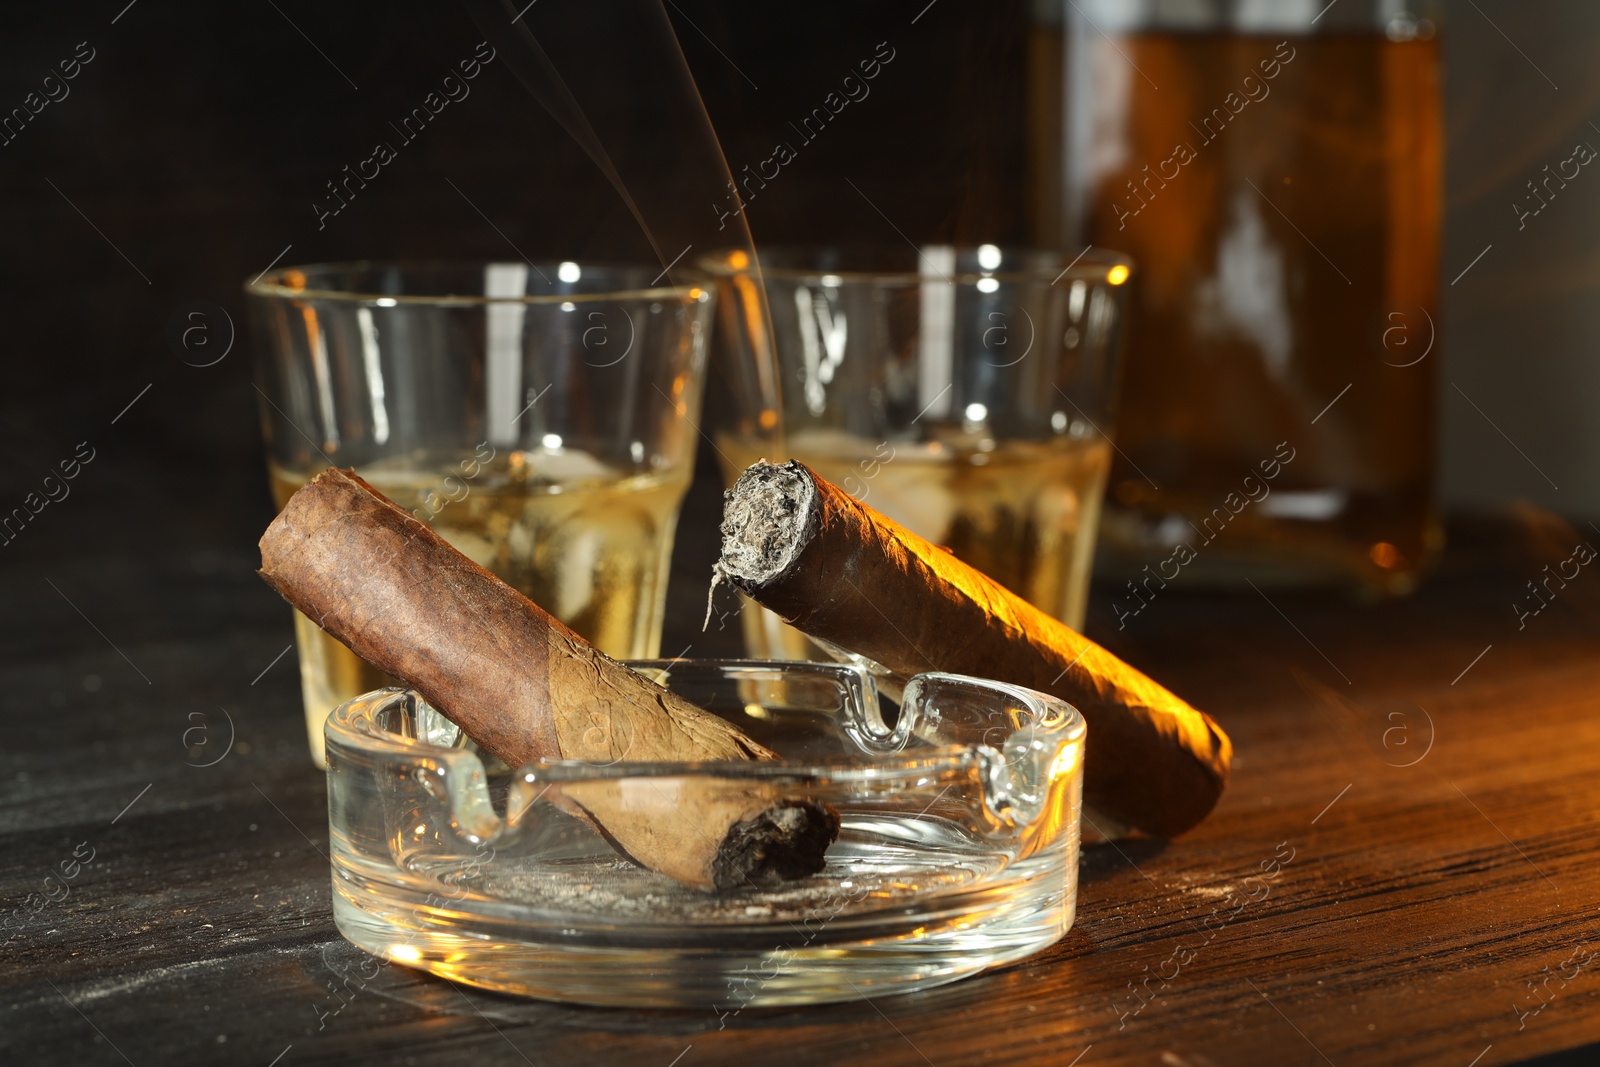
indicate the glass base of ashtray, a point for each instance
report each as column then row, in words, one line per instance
column 958, row 848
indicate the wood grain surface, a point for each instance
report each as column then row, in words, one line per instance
column 1423, row 772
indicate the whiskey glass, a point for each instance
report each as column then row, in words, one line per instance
column 540, row 417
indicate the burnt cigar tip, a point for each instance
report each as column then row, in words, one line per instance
column 782, row 843
column 765, row 520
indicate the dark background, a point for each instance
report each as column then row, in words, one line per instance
column 187, row 157
column 197, row 139
column 199, row 136
column 189, row 152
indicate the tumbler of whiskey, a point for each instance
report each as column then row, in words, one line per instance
column 965, row 392
column 1275, row 169
column 540, row 417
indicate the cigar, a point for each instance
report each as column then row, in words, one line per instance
column 525, row 687
column 837, row 570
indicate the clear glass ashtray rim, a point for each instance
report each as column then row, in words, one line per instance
column 1056, row 723
column 1010, row 774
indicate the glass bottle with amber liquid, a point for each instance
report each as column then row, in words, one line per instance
column 1275, row 170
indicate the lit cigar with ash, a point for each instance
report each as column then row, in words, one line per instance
column 525, row 687
column 837, row 570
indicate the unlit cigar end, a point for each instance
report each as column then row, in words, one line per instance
column 784, row 842
column 764, row 521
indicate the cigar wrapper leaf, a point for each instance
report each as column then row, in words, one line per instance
column 525, row 687
column 838, row 570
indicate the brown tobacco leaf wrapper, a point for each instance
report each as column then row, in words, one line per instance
column 525, row 687
column 837, row 570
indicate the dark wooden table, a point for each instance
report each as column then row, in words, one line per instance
column 1423, row 770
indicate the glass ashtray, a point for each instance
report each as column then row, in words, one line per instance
column 958, row 847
